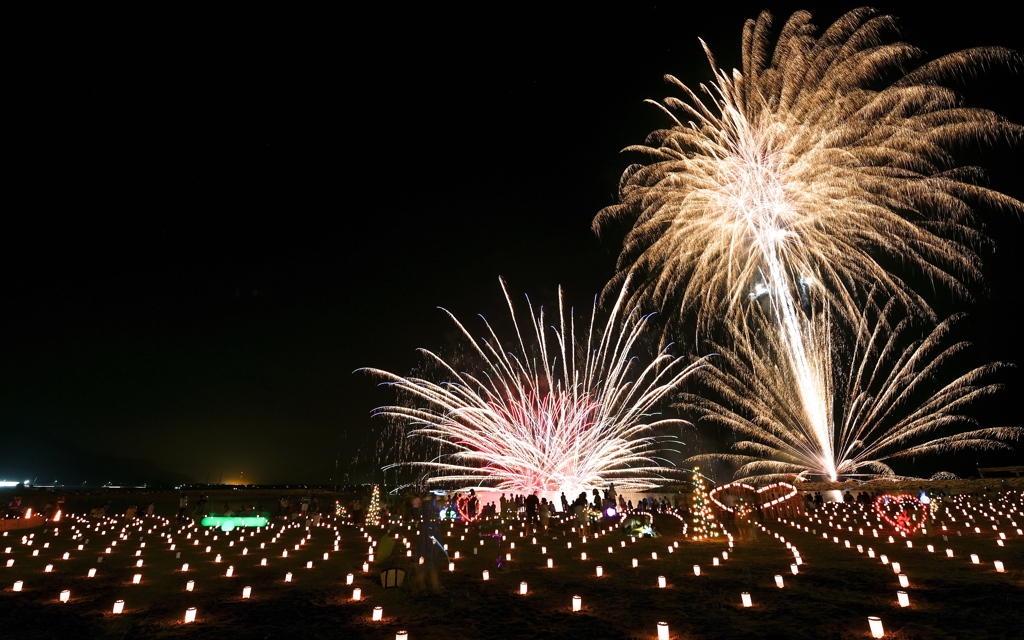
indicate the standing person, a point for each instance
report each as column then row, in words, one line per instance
column 201, row 506
column 532, row 502
column 472, row 503
column 545, row 515
column 182, row 504
column 565, row 503
column 417, row 507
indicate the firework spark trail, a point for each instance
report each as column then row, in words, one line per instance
column 797, row 181
column 888, row 385
column 551, row 415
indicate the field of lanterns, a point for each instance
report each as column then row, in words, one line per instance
column 844, row 570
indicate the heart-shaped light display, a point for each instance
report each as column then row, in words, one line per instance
column 790, row 492
column 462, row 506
column 897, row 512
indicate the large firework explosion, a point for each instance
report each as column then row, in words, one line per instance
column 566, row 409
column 818, row 172
column 886, row 388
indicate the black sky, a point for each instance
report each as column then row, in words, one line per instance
column 214, row 218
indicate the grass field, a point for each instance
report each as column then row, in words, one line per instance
column 833, row 594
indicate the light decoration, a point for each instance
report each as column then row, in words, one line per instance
column 65, row 595
column 228, row 523
column 378, row 613
column 791, row 492
column 246, row 592
column 875, row 625
column 373, row 510
column 898, row 512
column 569, row 413
column 704, row 525
column 357, row 594
column 746, row 599
column 190, row 615
column 577, row 603
column 903, row 598
column 522, row 588
column 190, row 585
column 662, row 582
column 18, row 585
column 118, row 606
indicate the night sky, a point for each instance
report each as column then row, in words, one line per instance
column 217, row 217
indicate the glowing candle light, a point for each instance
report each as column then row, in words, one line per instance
column 263, row 562
column 522, row 588
column 949, row 553
column 662, row 583
column 357, row 594
column 654, row 555
column 636, row 563
column 349, row 578
column 18, row 585
column 190, row 585
column 402, row 635
column 714, row 561
column 65, row 595
column 92, row 573
column 48, row 568
column 875, row 623
column 895, row 567
column 904, row 582
column 366, row 567
column 451, row 566
column 119, row 606
column 583, row 556
column 288, row 577
column 975, row 559
column 600, row 571
column 577, row 603
column 184, row 567
column 487, row 574
column 746, row 599
column 551, row 563
column 903, row 598
column 10, row 562
column 778, row 582
column 663, row 631
column 190, row 615
column 378, row 613
column 696, row 569
column 999, row 566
